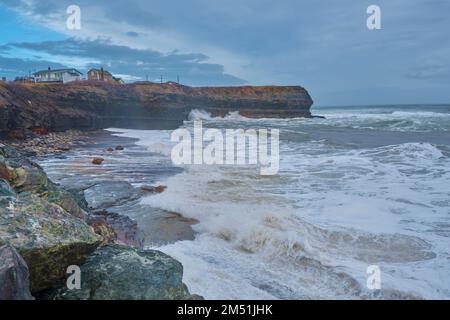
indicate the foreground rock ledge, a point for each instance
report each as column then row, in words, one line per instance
column 48, row 238
column 43, row 223
column 116, row 272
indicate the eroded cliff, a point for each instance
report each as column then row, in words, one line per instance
column 94, row 105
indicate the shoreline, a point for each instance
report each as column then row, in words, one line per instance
column 158, row 226
column 126, row 222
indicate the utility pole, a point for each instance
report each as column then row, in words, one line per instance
column 146, row 77
column 178, row 79
column 161, row 79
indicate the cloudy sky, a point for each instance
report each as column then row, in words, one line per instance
column 323, row 45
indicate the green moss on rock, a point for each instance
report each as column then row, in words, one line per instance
column 115, row 272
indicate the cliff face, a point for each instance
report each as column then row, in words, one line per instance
column 93, row 105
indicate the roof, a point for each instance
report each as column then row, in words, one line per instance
column 68, row 70
column 98, row 70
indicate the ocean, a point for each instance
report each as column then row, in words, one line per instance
column 366, row 186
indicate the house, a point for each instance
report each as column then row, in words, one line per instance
column 102, row 75
column 58, row 75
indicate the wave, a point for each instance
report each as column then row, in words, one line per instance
column 265, row 228
column 197, row 114
column 312, row 230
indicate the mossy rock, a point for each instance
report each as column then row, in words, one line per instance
column 48, row 237
column 116, row 272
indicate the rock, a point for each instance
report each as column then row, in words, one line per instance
column 66, row 201
column 105, row 194
column 124, row 230
column 4, row 171
column 48, row 238
column 7, row 151
column 120, row 148
column 30, row 178
column 121, row 273
column 39, row 130
column 103, row 229
column 152, row 189
column 7, row 194
column 14, row 276
column 17, row 134
column 110, row 149
column 98, row 160
column 64, row 147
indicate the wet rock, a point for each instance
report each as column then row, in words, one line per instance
column 103, row 229
column 48, row 238
column 7, row 194
column 105, row 194
column 121, row 273
column 153, row 189
column 110, row 149
column 120, row 148
column 159, row 227
column 14, row 276
column 31, row 178
column 64, row 147
column 4, row 171
column 124, row 230
column 67, row 201
column 98, row 160
column 7, row 151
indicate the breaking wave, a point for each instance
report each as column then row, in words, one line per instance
column 337, row 206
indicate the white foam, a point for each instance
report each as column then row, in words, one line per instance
column 311, row 231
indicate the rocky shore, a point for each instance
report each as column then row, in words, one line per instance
column 46, row 227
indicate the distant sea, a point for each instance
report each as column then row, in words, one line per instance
column 364, row 186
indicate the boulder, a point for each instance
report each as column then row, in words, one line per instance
column 68, row 202
column 105, row 194
column 115, row 272
column 48, row 238
column 14, row 276
column 124, row 230
column 4, row 171
column 31, row 178
column 120, row 148
column 103, row 229
column 98, row 160
column 152, row 189
column 7, row 151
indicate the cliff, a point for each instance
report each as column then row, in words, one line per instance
column 95, row 105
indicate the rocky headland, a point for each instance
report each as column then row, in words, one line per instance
column 87, row 105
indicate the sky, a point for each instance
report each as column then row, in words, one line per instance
column 322, row 45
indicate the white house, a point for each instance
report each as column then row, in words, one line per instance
column 58, row 75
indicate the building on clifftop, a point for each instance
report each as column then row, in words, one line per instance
column 57, row 75
column 102, row 75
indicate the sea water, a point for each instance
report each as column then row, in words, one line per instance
column 366, row 186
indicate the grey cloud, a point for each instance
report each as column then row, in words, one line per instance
column 132, row 34
column 192, row 68
column 14, row 67
column 323, row 45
